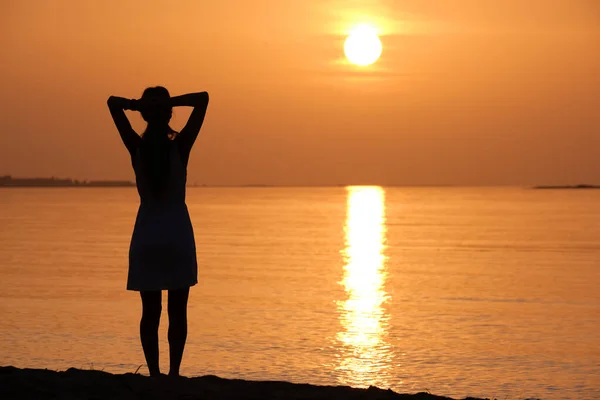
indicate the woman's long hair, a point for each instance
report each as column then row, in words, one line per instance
column 156, row 140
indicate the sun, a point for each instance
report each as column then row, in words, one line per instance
column 362, row 46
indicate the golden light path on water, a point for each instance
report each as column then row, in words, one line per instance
column 365, row 355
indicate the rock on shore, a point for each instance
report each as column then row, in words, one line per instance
column 16, row 383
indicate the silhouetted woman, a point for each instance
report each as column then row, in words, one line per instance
column 162, row 253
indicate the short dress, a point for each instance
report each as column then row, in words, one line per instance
column 162, row 253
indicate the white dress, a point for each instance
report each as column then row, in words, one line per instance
column 162, row 254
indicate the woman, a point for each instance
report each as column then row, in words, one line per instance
column 162, row 254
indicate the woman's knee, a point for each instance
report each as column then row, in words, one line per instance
column 177, row 306
column 151, row 305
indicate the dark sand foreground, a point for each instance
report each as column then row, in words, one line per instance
column 74, row 383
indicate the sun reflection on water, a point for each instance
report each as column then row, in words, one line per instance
column 365, row 355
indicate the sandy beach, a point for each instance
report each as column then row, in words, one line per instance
column 16, row 383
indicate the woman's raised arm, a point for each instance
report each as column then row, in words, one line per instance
column 117, row 105
column 190, row 131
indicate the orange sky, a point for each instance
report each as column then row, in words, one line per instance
column 466, row 91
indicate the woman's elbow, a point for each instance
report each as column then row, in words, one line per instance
column 203, row 98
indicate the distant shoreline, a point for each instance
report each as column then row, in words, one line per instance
column 568, row 187
column 83, row 184
column 8, row 181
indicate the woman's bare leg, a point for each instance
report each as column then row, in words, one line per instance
column 177, row 308
column 151, row 309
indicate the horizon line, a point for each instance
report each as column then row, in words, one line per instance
column 70, row 182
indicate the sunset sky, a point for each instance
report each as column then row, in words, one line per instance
column 465, row 92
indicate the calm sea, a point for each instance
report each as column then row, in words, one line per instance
column 461, row 291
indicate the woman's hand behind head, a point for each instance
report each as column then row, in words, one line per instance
column 151, row 102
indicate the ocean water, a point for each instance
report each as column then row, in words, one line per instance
column 488, row 292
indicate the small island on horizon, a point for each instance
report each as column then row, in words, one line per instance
column 582, row 186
